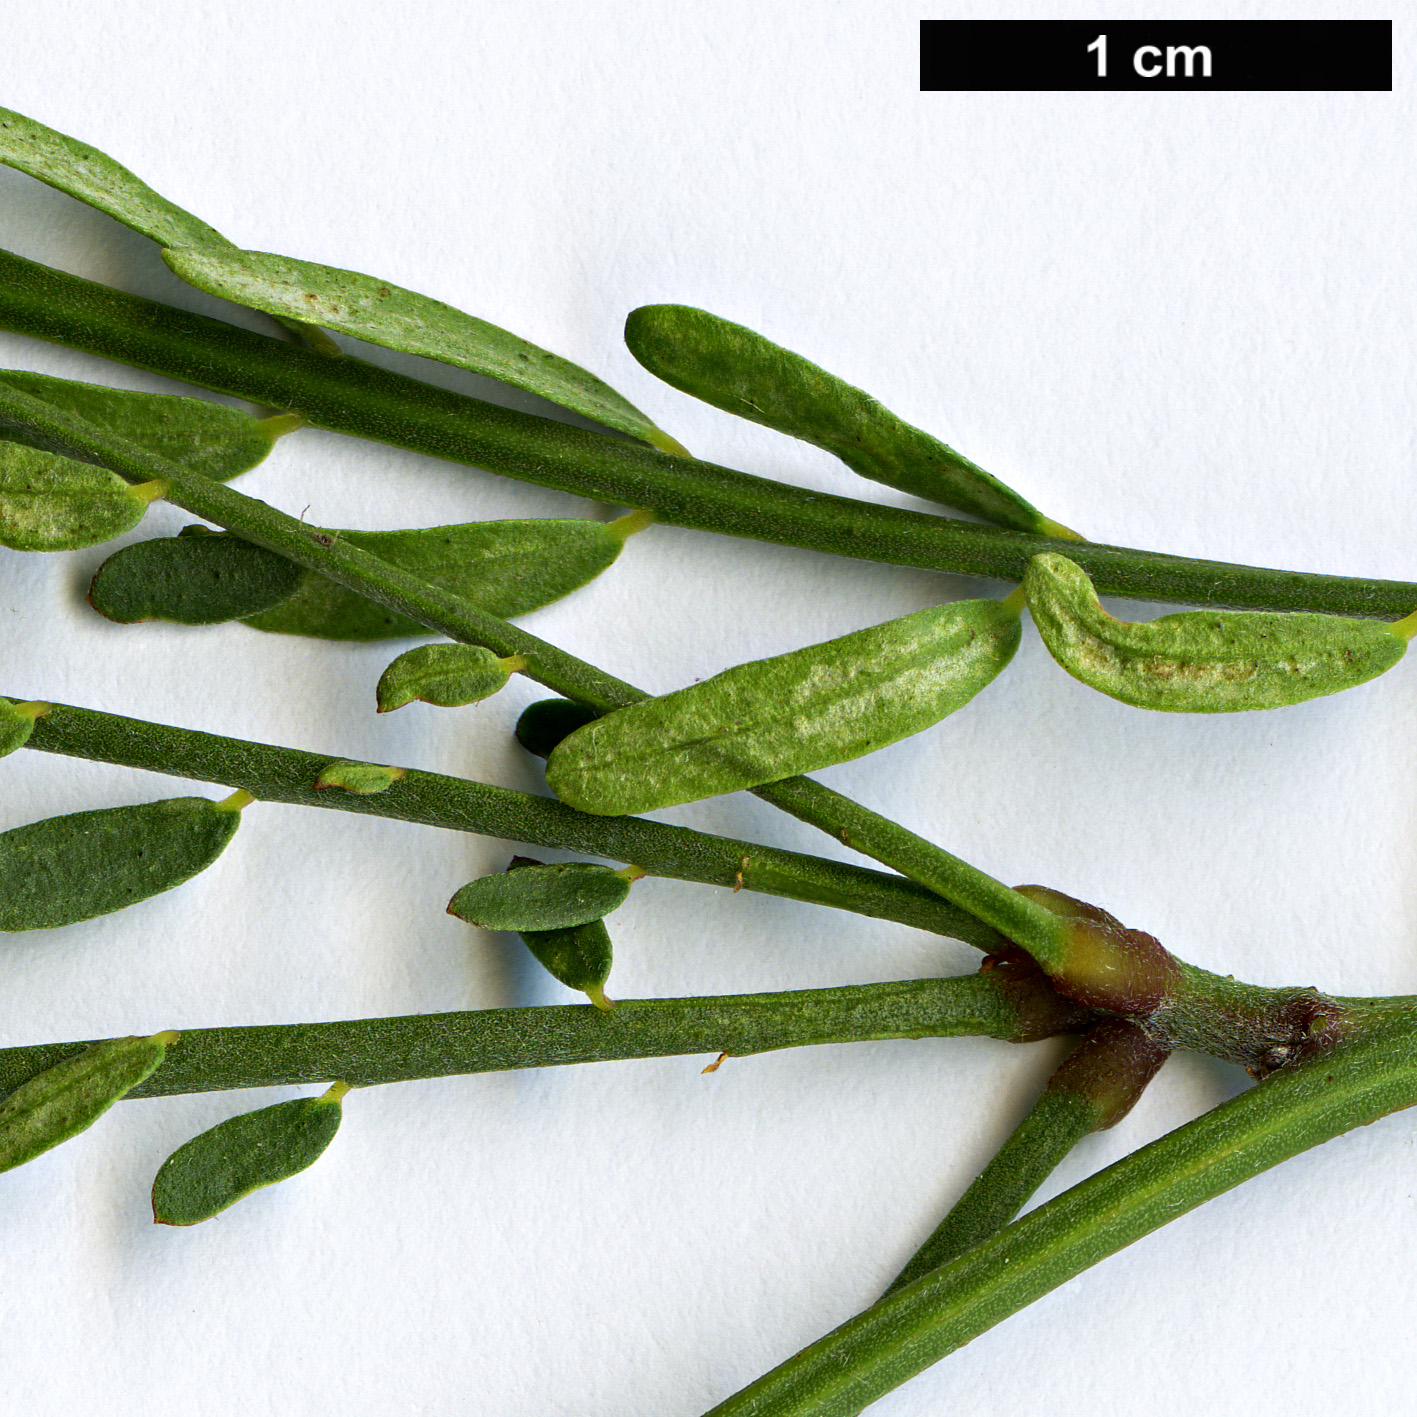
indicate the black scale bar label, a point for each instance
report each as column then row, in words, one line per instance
column 1274, row 56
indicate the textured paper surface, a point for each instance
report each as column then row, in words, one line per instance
column 1175, row 321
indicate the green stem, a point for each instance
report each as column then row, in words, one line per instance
column 317, row 549
column 1093, row 1090
column 1054, row 1125
column 1037, row 930
column 364, row 1052
column 350, row 396
column 276, row 774
column 1029, row 925
column 1372, row 1074
column 1048, row 938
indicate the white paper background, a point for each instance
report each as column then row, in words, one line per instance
column 1180, row 321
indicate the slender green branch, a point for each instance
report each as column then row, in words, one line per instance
column 350, row 396
column 1356, row 1083
column 1093, row 1090
column 1017, row 917
column 1100, row 968
column 276, row 774
column 1054, row 1125
column 1024, row 922
column 379, row 1050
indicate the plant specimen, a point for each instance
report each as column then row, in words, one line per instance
column 81, row 467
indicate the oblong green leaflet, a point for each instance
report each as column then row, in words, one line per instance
column 446, row 675
column 85, row 864
column 504, row 568
column 93, row 177
column 579, row 957
column 62, row 1101
column 52, row 503
column 739, row 371
column 196, row 578
column 204, row 437
column 1202, row 661
column 362, row 779
column 386, row 314
column 535, row 897
column 216, row 1169
column 775, row 718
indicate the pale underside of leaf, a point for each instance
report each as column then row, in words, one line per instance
column 504, row 568
column 208, row 438
column 776, row 718
column 52, row 503
column 93, row 177
column 448, row 676
column 388, row 315
column 1202, row 661
column 69, row 1097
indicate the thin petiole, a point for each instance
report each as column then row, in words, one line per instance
column 631, row 523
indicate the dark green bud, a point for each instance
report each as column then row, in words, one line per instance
column 545, row 723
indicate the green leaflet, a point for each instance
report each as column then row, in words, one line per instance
column 198, row 577
column 201, row 578
column 204, row 437
column 776, row 718
column 362, row 779
column 72, row 868
column 504, row 568
column 62, row 1101
column 446, row 675
column 95, row 178
column 530, row 896
column 216, row 1169
column 741, row 372
column 578, row 956
column 17, row 723
column 1203, row 661
column 388, row 315
column 52, row 503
